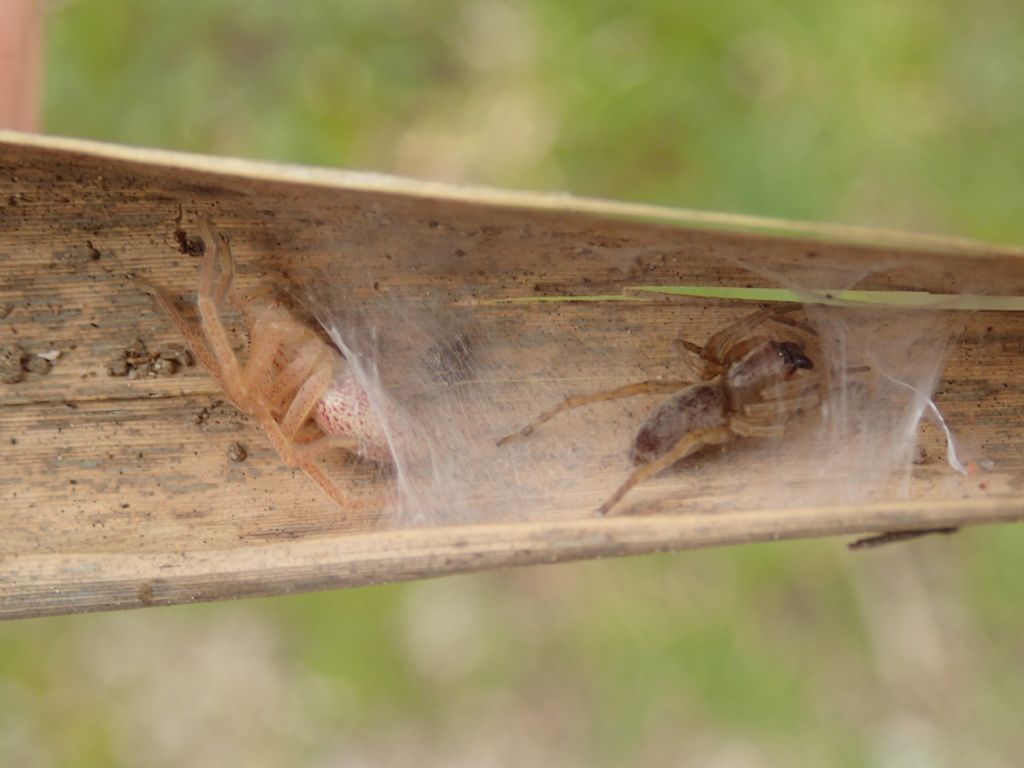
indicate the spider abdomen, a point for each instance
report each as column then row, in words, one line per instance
column 701, row 406
column 345, row 410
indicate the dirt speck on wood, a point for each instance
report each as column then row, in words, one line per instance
column 136, row 361
column 177, row 353
column 37, row 364
column 161, row 367
column 204, row 413
column 78, row 254
column 118, row 367
column 11, row 359
column 15, row 362
column 237, row 452
column 191, row 245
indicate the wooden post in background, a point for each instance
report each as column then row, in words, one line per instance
column 20, row 65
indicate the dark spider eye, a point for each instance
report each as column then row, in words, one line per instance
column 793, row 355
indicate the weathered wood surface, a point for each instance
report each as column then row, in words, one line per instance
column 118, row 493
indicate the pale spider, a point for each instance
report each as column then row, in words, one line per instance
column 299, row 388
column 747, row 386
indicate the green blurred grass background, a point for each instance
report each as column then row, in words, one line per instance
column 905, row 115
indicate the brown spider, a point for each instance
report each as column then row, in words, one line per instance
column 299, row 388
column 748, row 386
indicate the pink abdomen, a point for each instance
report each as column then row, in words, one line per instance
column 345, row 411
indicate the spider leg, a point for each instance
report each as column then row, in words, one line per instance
column 194, row 340
column 266, row 340
column 308, row 434
column 752, row 428
column 689, row 346
column 785, row 390
column 789, row 321
column 210, row 298
column 770, row 417
column 303, row 454
column 781, row 406
column 706, row 370
column 331, row 488
column 311, row 356
column 306, row 455
column 215, row 282
column 686, row 445
column 718, row 346
column 325, row 443
column 302, row 457
column 305, row 401
column 640, row 388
